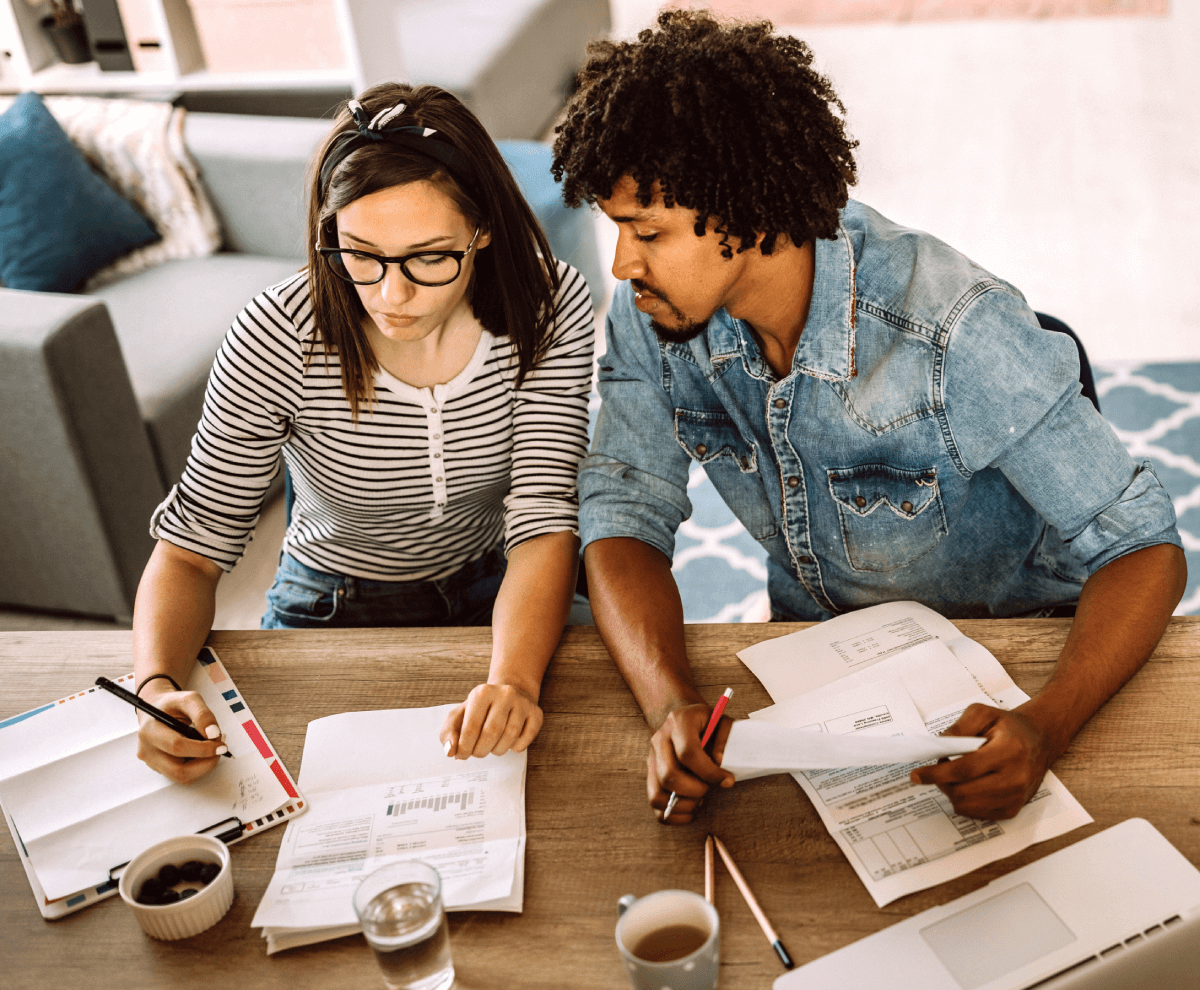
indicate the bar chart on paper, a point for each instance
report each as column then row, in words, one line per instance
column 438, row 802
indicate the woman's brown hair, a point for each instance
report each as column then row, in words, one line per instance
column 515, row 277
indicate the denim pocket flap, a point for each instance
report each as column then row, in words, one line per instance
column 889, row 516
column 868, row 488
column 709, row 435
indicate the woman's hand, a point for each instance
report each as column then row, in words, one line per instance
column 494, row 719
column 165, row 750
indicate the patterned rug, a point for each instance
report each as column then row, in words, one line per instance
column 1154, row 408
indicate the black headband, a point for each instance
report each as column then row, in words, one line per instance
column 424, row 140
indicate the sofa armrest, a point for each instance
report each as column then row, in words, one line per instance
column 78, row 479
column 253, row 169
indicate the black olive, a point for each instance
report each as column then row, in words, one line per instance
column 191, row 870
column 185, row 894
column 169, row 875
column 150, row 891
column 169, row 897
column 209, row 872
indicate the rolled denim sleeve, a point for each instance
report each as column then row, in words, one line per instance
column 634, row 480
column 1012, row 401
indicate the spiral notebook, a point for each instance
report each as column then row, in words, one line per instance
column 80, row 804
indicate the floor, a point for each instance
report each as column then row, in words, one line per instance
column 1061, row 152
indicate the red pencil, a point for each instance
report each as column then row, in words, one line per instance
column 713, row 719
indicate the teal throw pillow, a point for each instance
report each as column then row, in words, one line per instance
column 59, row 220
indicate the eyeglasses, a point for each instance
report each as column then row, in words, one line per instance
column 428, row 268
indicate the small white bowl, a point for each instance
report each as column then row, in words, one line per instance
column 194, row 914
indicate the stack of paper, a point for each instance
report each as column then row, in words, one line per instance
column 893, row 675
column 381, row 790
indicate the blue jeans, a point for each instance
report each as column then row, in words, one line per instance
column 303, row 598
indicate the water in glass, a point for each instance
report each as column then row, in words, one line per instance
column 406, row 927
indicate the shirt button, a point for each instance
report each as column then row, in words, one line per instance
column 780, row 403
column 437, row 453
column 793, row 481
column 437, row 436
column 859, row 501
column 701, row 450
column 906, row 506
column 437, row 479
column 806, row 560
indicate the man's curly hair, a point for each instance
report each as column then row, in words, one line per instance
column 730, row 120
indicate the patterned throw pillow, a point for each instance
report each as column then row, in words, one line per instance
column 59, row 221
column 139, row 147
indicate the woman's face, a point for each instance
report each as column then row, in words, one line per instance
column 403, row 220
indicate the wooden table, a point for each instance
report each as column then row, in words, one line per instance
column 591, row 836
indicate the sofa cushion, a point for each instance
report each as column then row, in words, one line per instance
column 138, row 147
column 59, row 220
column 170, row 320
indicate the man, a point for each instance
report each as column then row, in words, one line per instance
column 887, row 419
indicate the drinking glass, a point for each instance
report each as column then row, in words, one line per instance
column 400, row 910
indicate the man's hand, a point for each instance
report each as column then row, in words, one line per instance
column 1002, row 775
column 165, row 750
column 494, row 719
column 677, row 762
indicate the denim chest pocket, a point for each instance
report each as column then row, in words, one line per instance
column 889, row 516
column 731, row 463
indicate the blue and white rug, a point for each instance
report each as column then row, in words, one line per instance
column 1154, row 408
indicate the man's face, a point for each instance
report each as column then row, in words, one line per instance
column 679, row 280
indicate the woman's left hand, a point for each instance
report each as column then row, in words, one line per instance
column 494, row 719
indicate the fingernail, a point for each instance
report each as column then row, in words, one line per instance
column 213, row 731
column 447, row 747
column 222, row 750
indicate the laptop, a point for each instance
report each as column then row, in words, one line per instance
column 1104, row 913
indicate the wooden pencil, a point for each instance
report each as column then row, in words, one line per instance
column 709, row 871
column 761, row 918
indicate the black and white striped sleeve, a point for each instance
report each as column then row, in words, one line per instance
column 254, row 391
column 550, row 421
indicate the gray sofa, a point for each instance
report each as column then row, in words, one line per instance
column 100, row 393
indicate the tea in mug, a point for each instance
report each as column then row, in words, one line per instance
column 669, row 943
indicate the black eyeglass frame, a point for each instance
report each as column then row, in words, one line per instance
column 327, row 253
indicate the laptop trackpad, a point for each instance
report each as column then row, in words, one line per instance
column 995, row 937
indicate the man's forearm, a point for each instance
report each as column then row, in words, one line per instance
column 639, row 615
column 1123, row 610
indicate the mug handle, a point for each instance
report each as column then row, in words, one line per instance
column 624, row 903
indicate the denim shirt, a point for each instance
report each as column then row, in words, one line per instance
column 929, row 443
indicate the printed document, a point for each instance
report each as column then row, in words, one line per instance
column 886, row 671
column 381, row 790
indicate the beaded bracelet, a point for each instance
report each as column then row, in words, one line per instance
column 154, row 677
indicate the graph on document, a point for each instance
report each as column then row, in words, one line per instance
column 432, row 802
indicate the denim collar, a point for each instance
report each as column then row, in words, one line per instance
column 826, row 347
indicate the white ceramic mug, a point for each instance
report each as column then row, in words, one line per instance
column 642, row 917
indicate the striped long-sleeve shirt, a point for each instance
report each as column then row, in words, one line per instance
column 427, row 480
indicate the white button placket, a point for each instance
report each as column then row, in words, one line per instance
column 437, row 455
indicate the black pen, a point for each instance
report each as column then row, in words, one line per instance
column 185, row 730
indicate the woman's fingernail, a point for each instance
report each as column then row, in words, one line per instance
column 222, row 750
column 447, row 747
column 213, row 731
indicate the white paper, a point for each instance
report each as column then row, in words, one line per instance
column 903, row 658
column 381, row 790
column 756, row 748
column 83, row 803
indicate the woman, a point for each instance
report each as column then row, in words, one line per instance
column 426, row 377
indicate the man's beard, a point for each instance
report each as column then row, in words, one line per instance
column 688, row 329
